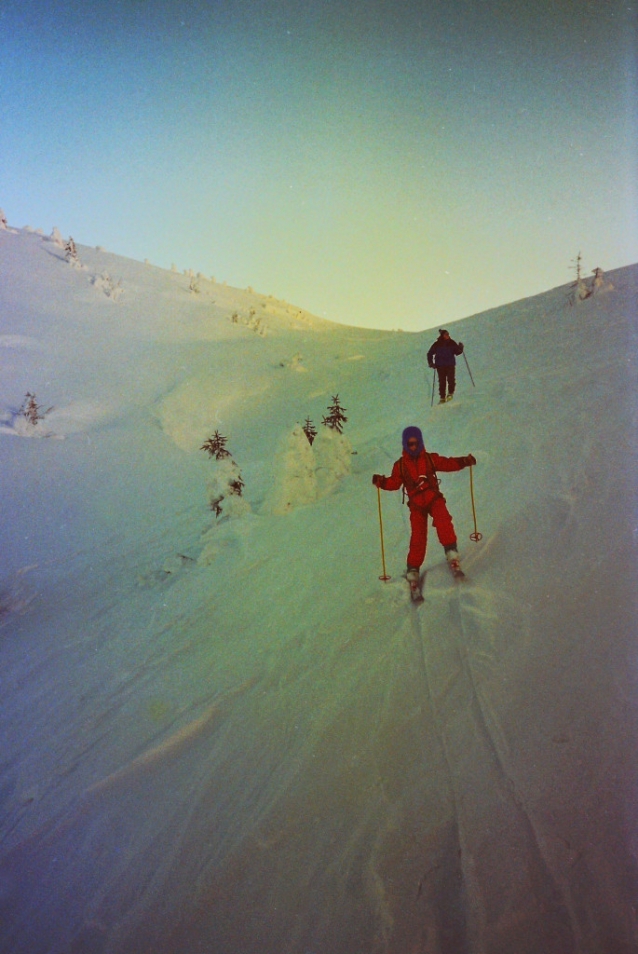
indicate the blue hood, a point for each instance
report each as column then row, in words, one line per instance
column 413, row 432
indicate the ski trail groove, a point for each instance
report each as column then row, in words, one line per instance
column 459, row 840
column 513, row 901
column 463, row 620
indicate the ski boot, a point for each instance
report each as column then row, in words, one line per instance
column 413, row 577
column 454, row 563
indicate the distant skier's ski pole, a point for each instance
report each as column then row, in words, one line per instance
column 468, row 370
column 476, row 536
column 385, row 575
column 433, row 383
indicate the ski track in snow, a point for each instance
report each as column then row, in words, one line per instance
column 496, row 919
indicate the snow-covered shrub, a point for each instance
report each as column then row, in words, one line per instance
column 28, row 421
column 31, row 409
column 598, row 283
column 256, row 324
column 333, row 456
column 308, row 469
column 296, row 362
column 4, row 225
column 295, row 474
column 226, row 485
column 108, row 285
column 71, row 254
column 56, row 238
column 225, row 490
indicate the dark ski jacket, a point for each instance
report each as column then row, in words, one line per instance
column 443, row 353
column 418, row 476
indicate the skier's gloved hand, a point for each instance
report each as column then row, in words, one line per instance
column 378, row 479
column 430, row 364
column 468, row 461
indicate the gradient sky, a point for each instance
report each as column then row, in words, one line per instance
column 380, row 163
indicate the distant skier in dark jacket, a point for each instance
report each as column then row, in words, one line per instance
column 416, row 471
column 442, row 356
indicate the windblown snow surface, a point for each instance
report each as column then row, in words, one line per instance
column 230, row 736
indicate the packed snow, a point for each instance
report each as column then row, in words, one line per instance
column 221, row 731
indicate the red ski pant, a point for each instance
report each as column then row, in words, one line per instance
column 443, row 525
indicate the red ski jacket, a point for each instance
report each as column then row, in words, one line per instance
column 418, row 476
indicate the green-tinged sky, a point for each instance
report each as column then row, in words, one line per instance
column 379, row 163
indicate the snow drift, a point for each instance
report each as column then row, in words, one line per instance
column 229, row 735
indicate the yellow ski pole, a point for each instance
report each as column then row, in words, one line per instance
column 385, row 575
column 476, row 536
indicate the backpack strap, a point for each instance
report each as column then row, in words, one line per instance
column 410, row 485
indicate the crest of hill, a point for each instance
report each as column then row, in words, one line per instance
column 151, row 301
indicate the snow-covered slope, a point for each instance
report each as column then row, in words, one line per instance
column 228, row 735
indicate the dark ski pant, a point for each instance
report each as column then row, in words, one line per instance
column 447, row 374
column 442, row 522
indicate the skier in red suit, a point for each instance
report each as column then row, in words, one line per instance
column 416, row 472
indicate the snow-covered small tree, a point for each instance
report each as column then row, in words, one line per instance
column 309, row 430
column 236, row 486
column 56, row 237
column 598, row 282
column 226, row 485
column 294, row 467
column 4, row 225
column 31, row 409
column 335, row 418
column 71, row 253
column 215, row 446
column 333, row 457
column 108, row 285
column 28, row 421
column 580, row 291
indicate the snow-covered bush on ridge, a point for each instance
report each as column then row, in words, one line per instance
column 581, row 289
column 56, row 238
column 4, row 225
column 599, row 284
column 108, row 285
column 71, row 254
